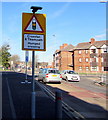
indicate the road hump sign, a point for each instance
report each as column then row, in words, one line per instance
column 33, row 32
column 33, row 25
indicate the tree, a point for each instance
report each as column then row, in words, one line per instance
column 15, row 59
column 5, row 56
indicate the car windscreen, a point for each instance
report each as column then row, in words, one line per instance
column 71, row 72
column 54, row 71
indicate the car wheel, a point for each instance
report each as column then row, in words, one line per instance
column 59, row 82
column 67, row 79
column 44, row 81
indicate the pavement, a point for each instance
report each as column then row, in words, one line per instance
column 92, row 105
column 100, row 99
column 16, row 99
column 97, row 98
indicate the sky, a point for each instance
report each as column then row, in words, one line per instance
column 66, row 22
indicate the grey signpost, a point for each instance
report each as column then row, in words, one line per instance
column 34, row 39
column 26, row 61
column 33, row 88
column 33, row 109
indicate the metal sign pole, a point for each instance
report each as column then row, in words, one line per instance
column 26, row 72
column 33, row 88
column 33, row 60
column 33, row 112
column 26, row 60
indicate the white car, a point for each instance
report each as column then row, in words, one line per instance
column 49, row 75
column 70, row 75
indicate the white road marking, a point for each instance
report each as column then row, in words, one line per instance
column 11, row 101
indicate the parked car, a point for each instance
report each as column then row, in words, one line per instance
column 49, row 75
column 70, row 75
column 18, row 70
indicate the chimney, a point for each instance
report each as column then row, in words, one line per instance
column 61, row 47
column 65, row 44
column 92, row 40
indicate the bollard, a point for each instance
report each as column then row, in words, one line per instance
column 33, row 106
column 58, row 105
column 102, row 78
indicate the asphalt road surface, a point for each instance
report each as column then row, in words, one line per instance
column 88, row 83
column 16, row 99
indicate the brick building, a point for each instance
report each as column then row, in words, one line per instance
column 62, row 58
column 86, row 57
column 91, row 57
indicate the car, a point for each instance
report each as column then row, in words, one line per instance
column 18, row 70
column 70, row 75
column 49, row 75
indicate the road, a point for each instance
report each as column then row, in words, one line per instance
column 16, row 99
column 84, row 97
column 88, row 83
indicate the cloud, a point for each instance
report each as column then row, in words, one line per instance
column 60, row 11
column 101, row 36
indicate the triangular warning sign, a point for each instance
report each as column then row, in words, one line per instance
column 33, row 25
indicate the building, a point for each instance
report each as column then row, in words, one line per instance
column 62, row 58
column 86, row 57
column 91, row 57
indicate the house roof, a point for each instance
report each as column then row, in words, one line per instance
column 87, row 45
column 84, row 45
column 67, row 48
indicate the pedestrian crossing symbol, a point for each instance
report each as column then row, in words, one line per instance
column 33, row 25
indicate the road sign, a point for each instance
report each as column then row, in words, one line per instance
column 33, row 25
column 27, row 56
column 33, row 32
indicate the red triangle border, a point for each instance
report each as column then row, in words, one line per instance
column 33, row 30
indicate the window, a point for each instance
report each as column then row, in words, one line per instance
column 44, row 70
column 86, row 59
column 93, row 59
column 71, row 72
column 87, row 68
column 57, row 65
column 80, row 68
column 93, row 68
column 93, row 50
column 86, row 51
column 80, row 60
column 105, row 50
column 79, row 51
column 102, row 59
column 54, row 71
column 105, row 68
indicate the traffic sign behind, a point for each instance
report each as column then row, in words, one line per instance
column 26, row 56
column 33, row 32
